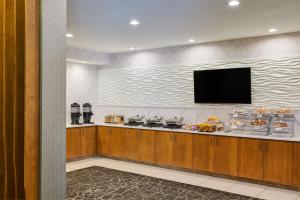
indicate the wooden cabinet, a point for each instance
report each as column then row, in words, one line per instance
column 250, row 159
column 278, row 162
column 203, row 153
column 81, row 142
column 296, row 165
column 103, row 140
column 117, row 142
column 164, row 148
column 72, row 143
column 68, row 144
column 183, row 150
column 225, row 155
column 263, row 160
column 131, row 144
column 147, row 146
column 88, row 141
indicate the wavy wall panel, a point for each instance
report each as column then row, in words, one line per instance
column 275, row 82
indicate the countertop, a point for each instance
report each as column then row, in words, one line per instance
column 296, row 138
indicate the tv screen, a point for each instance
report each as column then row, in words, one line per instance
column 223, row 86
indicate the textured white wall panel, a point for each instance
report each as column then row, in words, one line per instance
column 81, row 85
column 275, row 82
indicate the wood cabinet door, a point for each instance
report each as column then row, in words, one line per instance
column 131, row 144
column 88, row 141
column 117, row 142
column 147, row 146
column 203, row 153
column 250, row 159
column 278, row 162
column 69, row 132
column 75, row 143
column 225, row 155
column 296, row 164
column 103, row 141
column 183, row 150
column 164, row 148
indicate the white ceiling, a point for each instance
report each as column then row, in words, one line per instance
column 103, row 25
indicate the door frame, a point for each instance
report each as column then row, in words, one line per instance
column 53, row 99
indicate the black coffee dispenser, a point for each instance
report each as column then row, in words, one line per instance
column 75, row 113
column 87, row 113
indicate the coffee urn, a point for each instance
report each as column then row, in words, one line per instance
column 75, row 113
column 87, row 113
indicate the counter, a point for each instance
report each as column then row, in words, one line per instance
column 296, row 138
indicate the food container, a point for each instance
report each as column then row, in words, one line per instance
column 115, row 119
column 207, row 127
column 249, row 124
column 282, row 127
column 260, row 112
column 239, row 112
column 283, row 113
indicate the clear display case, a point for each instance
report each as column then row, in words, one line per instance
column 262, row 121
column 282, row 126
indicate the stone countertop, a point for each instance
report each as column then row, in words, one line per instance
column 296, row 138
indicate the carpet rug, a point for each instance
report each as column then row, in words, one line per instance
column 103, row 183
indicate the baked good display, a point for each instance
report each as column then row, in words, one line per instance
column 280, row 124
column 258, row 122
column 207, row 127
column 261, row 111
column 236, row 122
column 213, row 119
column 283, row 112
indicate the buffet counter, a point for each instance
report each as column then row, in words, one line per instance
column 296, row 138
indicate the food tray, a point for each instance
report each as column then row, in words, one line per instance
column 252, row 132
column 256, row 115
column 283, row 115
column 281, row 132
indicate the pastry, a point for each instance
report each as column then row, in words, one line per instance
column 280, row 125
column 261, row 110
column 258, row 122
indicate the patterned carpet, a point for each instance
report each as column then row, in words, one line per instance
column 102, row 183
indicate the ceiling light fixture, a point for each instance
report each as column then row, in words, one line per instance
column 69, row 35
column 84, row 62
column 131, row 48
column 134, row 22
column 192, row 40
column 233, row 3
column 272, row 30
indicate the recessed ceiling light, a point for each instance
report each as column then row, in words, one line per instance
column 233, row 3
column 272, row 30
column 191, row 40
column 69, row 35
column 131, row 48
column 134, row 22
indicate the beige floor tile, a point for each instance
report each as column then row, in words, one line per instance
column 247, row 189
column 279, row 194
column 218, row 184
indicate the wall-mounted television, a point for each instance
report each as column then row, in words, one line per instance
column 223, row 86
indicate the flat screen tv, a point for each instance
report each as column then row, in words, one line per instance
column 223, row 86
